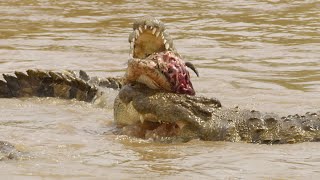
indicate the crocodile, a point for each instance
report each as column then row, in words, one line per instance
column 152, row 105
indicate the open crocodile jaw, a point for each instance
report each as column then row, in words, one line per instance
column 147, row 43
column 168, row 71
column 148, row 37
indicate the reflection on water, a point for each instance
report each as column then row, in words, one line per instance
column 255, row 54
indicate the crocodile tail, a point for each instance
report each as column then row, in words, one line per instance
column 67, row 85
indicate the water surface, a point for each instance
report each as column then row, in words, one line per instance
column 261, row 55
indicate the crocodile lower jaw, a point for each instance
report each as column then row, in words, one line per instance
column 154, row 130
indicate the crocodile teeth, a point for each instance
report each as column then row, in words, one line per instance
column 145, row 27
column 137, row 33
column 158, row 33
column 131, row 45
column 162, row 36
column 154, row 31
column 164, row 41
column 141, row 119
column 167, row 46
column 140, row 29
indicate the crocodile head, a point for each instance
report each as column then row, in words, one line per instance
column 147, row 113
column 155, row 61
column 149, row 36
column 155, row 67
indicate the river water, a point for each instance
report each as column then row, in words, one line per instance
column 262, row 55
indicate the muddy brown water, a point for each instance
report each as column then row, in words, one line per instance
column 262, row 55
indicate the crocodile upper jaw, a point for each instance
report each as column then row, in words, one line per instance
column 149, row 36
